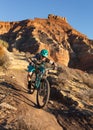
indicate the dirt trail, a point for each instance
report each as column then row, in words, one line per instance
column 26, row 115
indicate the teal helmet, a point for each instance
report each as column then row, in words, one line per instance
column 44, row 53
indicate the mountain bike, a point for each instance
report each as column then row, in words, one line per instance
column 40, row 83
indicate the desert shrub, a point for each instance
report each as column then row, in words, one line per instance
column 4, row 61
column 4, row 57
column 4, row 43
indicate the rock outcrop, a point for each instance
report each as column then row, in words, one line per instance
column 65, row 44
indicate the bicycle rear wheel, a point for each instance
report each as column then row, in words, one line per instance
column 43, row 93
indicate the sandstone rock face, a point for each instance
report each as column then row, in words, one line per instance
column 83, row 53
column 65, row 44
column 5, row 26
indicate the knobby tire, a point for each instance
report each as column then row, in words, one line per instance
column 43, row 93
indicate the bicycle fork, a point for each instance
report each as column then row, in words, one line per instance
column 38, row 80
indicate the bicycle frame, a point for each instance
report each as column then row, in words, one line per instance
column 39, row 74
column 40, row 71
column 37, row 80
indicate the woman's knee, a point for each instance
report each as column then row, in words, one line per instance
column 29, row 75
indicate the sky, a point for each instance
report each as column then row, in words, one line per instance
column 77, row 12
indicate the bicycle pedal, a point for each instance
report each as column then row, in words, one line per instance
column 29, row 91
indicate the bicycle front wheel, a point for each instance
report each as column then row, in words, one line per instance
column 43, row 93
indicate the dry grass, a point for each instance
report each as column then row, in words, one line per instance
column 4, row 43
column 4, row 58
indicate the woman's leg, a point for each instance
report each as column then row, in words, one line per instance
column 29, row 79
column 31, row 69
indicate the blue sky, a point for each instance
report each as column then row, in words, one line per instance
column 78, row 12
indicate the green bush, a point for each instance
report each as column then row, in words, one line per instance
column 4, row 43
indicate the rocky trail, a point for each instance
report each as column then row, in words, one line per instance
column 19, row 111
column 18, row 108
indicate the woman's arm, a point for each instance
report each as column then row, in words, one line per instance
column 52, row 63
